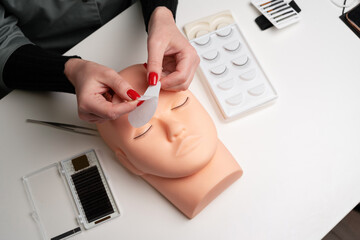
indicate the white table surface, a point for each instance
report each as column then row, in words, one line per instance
column 300, row 156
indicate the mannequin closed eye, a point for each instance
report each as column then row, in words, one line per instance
column 176, row 107
column 143, row 133
column 181, row 104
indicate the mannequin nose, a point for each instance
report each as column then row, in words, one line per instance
column 174, row 128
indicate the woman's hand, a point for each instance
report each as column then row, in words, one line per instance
column 170, row 54
column 94, row 85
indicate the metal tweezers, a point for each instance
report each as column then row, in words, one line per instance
column 67, row 127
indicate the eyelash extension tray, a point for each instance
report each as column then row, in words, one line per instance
column 228, row 66
column 70, row 196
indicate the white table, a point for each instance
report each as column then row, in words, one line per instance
column 301, row 156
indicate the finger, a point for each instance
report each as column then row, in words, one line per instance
column 156, row 50
column 173, row 81
column 109, row 95
column 178, row 80
column 186, row 84
column 185, row 70
column 121, row 87
column 106, row 110
column 180, row 87
column 99, row 120
column 89, row 117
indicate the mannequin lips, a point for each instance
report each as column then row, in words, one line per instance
column 187, row 145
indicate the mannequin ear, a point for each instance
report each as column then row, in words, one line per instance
column 121, row 156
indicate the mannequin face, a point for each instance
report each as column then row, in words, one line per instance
column 179, row 140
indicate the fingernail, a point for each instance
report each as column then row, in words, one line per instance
column 139, row 103
column 153, row 78
column 145, row 65
column 132, row 94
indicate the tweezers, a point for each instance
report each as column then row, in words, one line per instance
column 67, row 127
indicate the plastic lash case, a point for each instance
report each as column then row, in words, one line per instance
column 70, row 196
column 278, row 12
column 228, row 66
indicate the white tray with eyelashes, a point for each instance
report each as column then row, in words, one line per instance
column 227, row 65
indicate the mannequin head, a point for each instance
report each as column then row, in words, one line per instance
column 178, row 141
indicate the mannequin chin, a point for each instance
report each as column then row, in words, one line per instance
column 177, row 151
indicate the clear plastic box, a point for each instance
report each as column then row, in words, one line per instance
column 58, row 209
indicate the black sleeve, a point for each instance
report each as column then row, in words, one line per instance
column 148, row 6
column 33, row 68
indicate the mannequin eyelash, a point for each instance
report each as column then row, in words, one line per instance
column 181, row 104
column 143, row 132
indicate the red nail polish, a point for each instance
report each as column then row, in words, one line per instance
column 132, row 94
column 153, row 78
column 145, row 65
column 139, row 103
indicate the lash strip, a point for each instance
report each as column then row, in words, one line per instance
column 187, row 98
column 143, row 132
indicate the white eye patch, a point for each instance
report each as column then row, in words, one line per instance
column 143, row 113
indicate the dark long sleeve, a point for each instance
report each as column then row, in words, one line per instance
column 149, row 6
column 32, row 68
